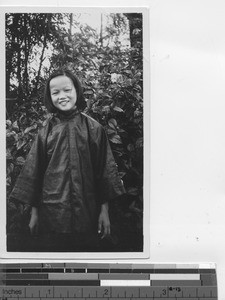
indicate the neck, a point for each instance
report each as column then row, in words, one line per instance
column 68, row 113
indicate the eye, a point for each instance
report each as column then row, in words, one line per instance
column 54, row 93
column 67, row 90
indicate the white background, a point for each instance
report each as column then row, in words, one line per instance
column 188, row 132
column 186, row 155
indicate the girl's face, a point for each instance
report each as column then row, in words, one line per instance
column 63, row 93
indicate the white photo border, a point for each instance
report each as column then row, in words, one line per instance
column 147, row 153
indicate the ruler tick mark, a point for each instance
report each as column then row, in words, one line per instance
column 156, row 292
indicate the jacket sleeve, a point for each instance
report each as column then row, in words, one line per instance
column 28, row 186
column 108, row 182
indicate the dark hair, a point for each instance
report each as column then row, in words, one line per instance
column 81, row 104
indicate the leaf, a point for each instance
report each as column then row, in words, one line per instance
column 8, row 181
column 116, row 139
column 94, row 63
column 20, row 160
column 137, row 120
column 89, row 102
column 89, row 92
column 130, row 147
column 45, row 122
column 118, row 153
column 10, row 133
column 122, row 174
column 133, row 191
column 10, row 168
column 111, row 131
column 135, row 209
column 139, row 143
column 15, row 126
column 106, row 108
column 117, row 108
column 31, row 128
column 112, row 123
column 11, row 137
column 8, row 155
column 20, row 144
column 137, row 75
column 105, row 95
column 127, row 72
column 121, row 130
column 8, row 123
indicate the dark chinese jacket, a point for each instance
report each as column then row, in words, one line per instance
column 69, row 172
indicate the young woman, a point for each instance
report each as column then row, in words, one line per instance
column 70, row 174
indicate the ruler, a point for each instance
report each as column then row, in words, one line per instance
column 65, row 281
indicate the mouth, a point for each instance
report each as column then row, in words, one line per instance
column 63, row 102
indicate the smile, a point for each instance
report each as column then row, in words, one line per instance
column 63, row 102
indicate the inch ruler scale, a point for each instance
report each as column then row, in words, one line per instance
column 66, row 281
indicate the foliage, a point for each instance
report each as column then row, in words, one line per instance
column 28, row 39
column 112, row 81
column 20, row 134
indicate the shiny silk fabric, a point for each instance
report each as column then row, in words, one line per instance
column 69, row 172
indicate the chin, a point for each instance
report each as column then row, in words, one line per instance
column 65, row 108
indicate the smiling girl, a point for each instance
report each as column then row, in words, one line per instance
column 70, row 174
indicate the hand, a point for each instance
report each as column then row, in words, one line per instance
column 33, row 225
column 103, row 221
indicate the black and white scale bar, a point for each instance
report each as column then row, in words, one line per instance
column 105, row 268
column 107, row 279
column 27, row 292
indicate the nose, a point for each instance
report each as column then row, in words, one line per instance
column 62, row 95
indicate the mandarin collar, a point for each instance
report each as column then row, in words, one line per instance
column 66, row 115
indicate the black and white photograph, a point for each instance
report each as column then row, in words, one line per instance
column 112, row 142
column 74, row 131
